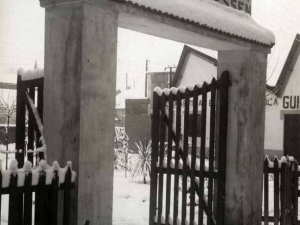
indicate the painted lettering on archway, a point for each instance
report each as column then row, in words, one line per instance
column 243, row 5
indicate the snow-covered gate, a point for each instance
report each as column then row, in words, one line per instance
column 193, row 121
column 30, row 90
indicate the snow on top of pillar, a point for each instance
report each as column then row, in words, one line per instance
column 30, row 74
column 43, row 167
column 212, row 15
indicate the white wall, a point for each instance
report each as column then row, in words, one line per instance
column 274, row 129
column 197, row 70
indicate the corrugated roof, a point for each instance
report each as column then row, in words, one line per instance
column 209, row 15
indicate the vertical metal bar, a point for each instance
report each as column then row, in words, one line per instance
column 295, row 193
column 40, row 102
column 154, row 155
column 266, row 191
column 14, row 216
column 222, row 146
column 161, row 157
column 202, row 152
column 283, row 194
column 28, row 200
column 193, row 155
column 67, row 198
column 276, row 192
column 185, row 154
column 31, row 119
column 54, row 200
column 211, row 151
column 20, row 122
column 177, row 142
column 40, row 200
column 169, row 155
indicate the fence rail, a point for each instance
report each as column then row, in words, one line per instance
column 174, row 109
column 281, row 191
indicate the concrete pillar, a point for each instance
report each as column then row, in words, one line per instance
column 245, row 141
column 80, row 86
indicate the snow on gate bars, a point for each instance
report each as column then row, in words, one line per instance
column 45, row 181
column 169, row 205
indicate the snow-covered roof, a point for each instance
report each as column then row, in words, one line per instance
column 30, row 74
column 128, row 94
column 210, row 15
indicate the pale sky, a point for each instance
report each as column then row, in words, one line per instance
column 22, row 41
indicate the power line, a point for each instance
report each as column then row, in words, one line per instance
column 287, row 8
column 274, row 67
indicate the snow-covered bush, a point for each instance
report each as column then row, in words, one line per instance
column 122, row 152
column 141, row 166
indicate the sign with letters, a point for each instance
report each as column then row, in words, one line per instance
column 291, row 102
column 243, row 5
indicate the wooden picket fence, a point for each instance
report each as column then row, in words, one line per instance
column 23, row 191
column 169, row 205
column 281, row 191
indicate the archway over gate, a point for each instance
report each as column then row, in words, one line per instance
column 80, row 69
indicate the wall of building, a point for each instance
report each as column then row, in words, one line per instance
column 197, row 70
column 137, row 123
column 276, row 107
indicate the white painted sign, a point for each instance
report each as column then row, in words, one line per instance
column 243, row 5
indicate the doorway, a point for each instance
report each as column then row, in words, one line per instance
column 291, row 144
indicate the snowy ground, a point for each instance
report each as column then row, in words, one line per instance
column 131, row 201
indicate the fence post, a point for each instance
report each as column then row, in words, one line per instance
column 20, row 122
column 14, row 213
column 30, row 144
column 40, row 102
column 54, row 199
column 155, row 135
column 276, row 191
column 295, row 192
column 67, row 197
column 28, row 199
column 266, row 191
column 222, row 147
column 283, row 193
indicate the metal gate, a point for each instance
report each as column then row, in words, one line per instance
column 188, row 169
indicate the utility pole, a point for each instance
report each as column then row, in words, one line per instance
column 170, row 74
column 147, row 62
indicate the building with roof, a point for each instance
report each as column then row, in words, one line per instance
column 80, row 74
column 282, row 130
column 282, row 119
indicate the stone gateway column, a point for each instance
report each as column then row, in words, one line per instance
column 245, row 141
column 80, row 84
